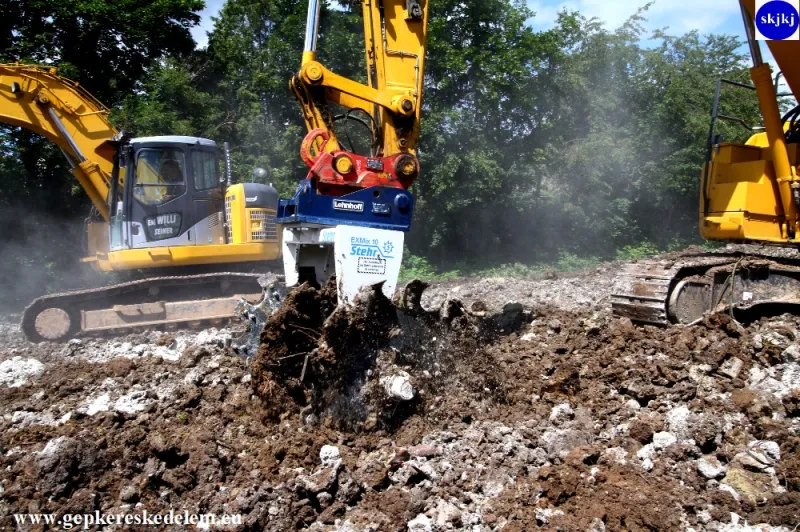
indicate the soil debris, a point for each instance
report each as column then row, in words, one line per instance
column 522, row 417
column 371, row 365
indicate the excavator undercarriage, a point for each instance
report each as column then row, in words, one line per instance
column 747, row 280
column 190, row 301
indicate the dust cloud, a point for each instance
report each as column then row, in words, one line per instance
column 40, row 254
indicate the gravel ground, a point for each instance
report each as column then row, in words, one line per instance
column 568, row 291
column 549, row 413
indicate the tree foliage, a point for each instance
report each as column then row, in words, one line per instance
column 107, row 45
column 536, row 145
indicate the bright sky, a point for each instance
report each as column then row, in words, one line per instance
column 718, row 16
column 206, row 24
column 707, row 16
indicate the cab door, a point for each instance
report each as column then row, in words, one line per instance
column 207, row 196
column 159, row 198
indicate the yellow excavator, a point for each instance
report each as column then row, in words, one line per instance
column 749, row 195
column 162, row 205
column 349, row 215
column 165, row 207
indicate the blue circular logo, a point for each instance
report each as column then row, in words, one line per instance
column 777, row 20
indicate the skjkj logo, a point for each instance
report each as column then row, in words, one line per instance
column 777, row 20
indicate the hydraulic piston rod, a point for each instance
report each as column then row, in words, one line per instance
column 312, row 30
column 784, row 173
column 64, row 133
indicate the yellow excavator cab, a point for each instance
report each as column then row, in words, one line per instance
column 749, row 194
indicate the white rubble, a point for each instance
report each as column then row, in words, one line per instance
column 560, row 414
column 447, row 513
column 778, row 380
column 98, row 404
column 731, row 367
column 421, row 523
column 98, row 352
column 677, row 422
column 53, row 446
column 711, row 468
column 769, row 448
column 616, row 455
column 329, row 455
column 662, row 440
column 543, row 515
column 737, row 525
column 398, row 386
column 132, row 402
column 16, row 371
column 219, row 337
column 24, row 418
column 791, row 353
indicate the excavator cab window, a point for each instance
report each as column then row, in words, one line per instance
column 160, row 175
column 205, row 167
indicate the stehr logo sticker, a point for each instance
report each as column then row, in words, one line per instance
column 777, row 20
column 349, row 206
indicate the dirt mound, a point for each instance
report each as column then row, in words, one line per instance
column 579, row 421
column 339, row 366
column 532, row 417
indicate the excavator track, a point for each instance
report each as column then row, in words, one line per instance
column 159, row 302
column 744, row 278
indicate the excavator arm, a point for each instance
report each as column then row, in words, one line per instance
column 786, row 178
column 784, row 52
column 394, row 39
column 349, row 215
column 38, row 99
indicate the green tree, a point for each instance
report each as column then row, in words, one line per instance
column 254, row 49
column 577, row 139
column 107, row 45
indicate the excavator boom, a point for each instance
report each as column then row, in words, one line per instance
column 38, row 99
column 351, row 211
column 390, row 104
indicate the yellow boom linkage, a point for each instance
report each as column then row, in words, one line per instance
column 395, row 40
column 38, row 99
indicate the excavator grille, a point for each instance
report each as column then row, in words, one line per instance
column 262, row 225
column 228, row 225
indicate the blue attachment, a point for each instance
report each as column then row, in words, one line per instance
column 375, row 207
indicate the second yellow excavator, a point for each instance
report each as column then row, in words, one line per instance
column 749, row 195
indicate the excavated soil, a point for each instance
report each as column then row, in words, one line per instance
column 524, row 416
